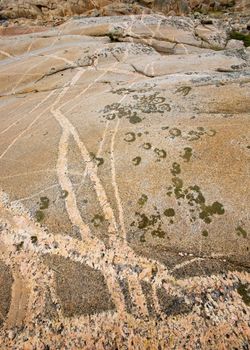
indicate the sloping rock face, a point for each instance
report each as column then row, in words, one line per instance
column 54, row 8
column 124, row 202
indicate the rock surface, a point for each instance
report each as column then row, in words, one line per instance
column 124, row 157
column 61, row 8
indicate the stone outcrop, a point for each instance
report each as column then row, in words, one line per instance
column 124, row 185
column 49, row 9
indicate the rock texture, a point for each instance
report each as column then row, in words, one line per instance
column 124, row 202
column 54, row 8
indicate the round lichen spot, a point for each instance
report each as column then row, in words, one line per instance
column 143, row 200
column 99, row 161
column 44, row 203
column 64, row 194
column 147, row 146
column 211, row 132
column 176, row 169
column 136, row 160
column 97, row 220
column 161, row 153
column 187, row 154
column 174, row 132
column 134, row 119
column 205, row 233
column 169, row 212
column 217, row 208
column 130, row 137
column 39, row 215
column 33, row 239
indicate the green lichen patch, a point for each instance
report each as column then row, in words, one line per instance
column 130, row 137
column 176, row 169
column 147, row 145
column 244, row 291
column 143, row 103
column 136, row 161
column 194, row 198
column 188, row 152
column 33, row 239
column 210, row 210
column 149, row 223
column 184, row 90
column 161, row 154
column 143, row 199
column 44, row 203
column 39, row 215
column 97, row 220
column 191, row 135
column 241, row 232
column 158, row 233
column 170, row 212
column 64, row 194
column 175, row 132
column 97, row 160
column 205, row 233
column 134, row 118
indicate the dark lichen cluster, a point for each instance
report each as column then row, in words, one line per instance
column 193, row 197
column 191, row 135
column 142, row 104
column 43, row 204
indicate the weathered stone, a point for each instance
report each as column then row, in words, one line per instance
column 124, row 201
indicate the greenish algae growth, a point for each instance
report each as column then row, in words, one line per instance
column 241, row 232
column 136, row 160
column 244, row 291
column 169, row 212
column 44, row 203
column 205, row 233
column 143, row 200
column 188, row 154
column 97, row 220
column 39, row 215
